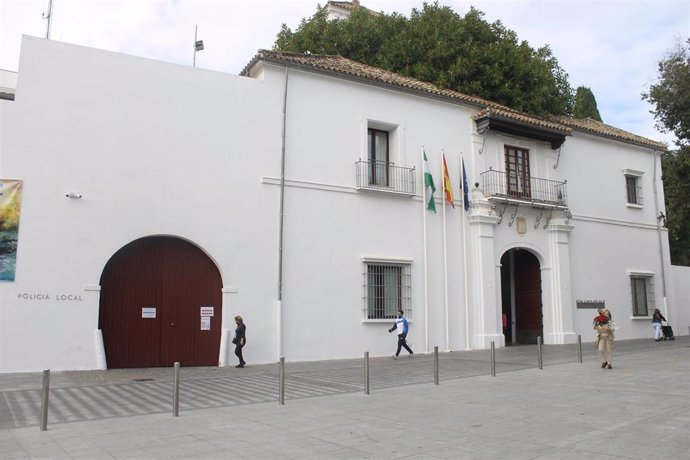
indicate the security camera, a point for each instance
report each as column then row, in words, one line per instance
column 73, row 195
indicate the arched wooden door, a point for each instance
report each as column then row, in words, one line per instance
column 521, row 296
column 156, row 297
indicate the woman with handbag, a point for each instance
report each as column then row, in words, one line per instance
column 604, row 340
column 240, row 340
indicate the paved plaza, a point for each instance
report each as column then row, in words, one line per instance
column 640, row 409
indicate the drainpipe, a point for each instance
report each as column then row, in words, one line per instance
column 279, row 303
column 659, row 232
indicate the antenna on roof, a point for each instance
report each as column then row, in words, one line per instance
column 48, row 16
column 198, row 45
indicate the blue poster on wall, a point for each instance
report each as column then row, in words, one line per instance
column 10, row 208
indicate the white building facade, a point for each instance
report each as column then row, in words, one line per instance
column 159, row 201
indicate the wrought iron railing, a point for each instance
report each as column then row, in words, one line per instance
column 498, row 184
column 384, row 175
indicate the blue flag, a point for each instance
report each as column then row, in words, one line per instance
column 465, row 188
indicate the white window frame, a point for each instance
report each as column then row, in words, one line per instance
column 636, row 176
column 393, row 148
column 390, row 302
column 379, row 162
column 648, row 279
column 394, row 141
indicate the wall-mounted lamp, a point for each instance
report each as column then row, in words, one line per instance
column 73, row 195
column 662, row 219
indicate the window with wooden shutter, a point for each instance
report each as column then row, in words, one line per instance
column 517, row 172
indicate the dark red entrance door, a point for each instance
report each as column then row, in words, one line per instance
column 152, row 294
column 521, row 293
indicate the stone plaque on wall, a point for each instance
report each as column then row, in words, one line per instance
column 595, row 304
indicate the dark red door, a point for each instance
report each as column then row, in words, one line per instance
column 528, row 306
column 152, row 294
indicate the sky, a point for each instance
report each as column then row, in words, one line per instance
column 612, row 47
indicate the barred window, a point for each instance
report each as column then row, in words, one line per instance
column 642, row 289
column 387, row 289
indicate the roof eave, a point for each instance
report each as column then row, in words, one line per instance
column 657, row 146
column 494, row 122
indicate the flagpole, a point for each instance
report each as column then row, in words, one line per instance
column 196, row 27
column 426, row 280
column 464, row 253
column 445, row 250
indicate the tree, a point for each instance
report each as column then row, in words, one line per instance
column 585, row 104
column 676, row 167
column 436, row 45
column 670, row 96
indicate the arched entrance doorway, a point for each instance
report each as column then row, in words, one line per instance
column 153, row 294
column 521, row 297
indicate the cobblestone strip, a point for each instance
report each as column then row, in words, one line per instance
column 206, row 389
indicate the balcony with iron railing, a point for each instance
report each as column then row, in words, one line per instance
column 385, row 176
column 513, row 187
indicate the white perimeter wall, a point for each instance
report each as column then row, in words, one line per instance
column 680, row 321
column 155, row 149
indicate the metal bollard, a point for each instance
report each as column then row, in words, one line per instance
column 281, row 381
column 493, row 359
column 366, row 372
column 176, row 391
column 539, row 353
column 44, row 399
column 436, row 365
column 579, row 348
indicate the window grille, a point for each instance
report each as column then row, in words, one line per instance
column 496, row 183
column 642, row 290
column 398, row 179
column 387, row 289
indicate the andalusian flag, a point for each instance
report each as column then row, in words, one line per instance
column 429, row 184
column 447, row 187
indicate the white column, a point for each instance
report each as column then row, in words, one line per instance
column 227, row 326
column 558, row 303
column 484, row 275
column 92, row 297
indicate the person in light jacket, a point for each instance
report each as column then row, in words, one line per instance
column 604, row 326
column 401, row 326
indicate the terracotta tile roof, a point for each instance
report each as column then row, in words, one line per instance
column 346, row 67
column 497, row 111
column 350, row 6
column 344, row 5
column 599, row 128
column 343, row 67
